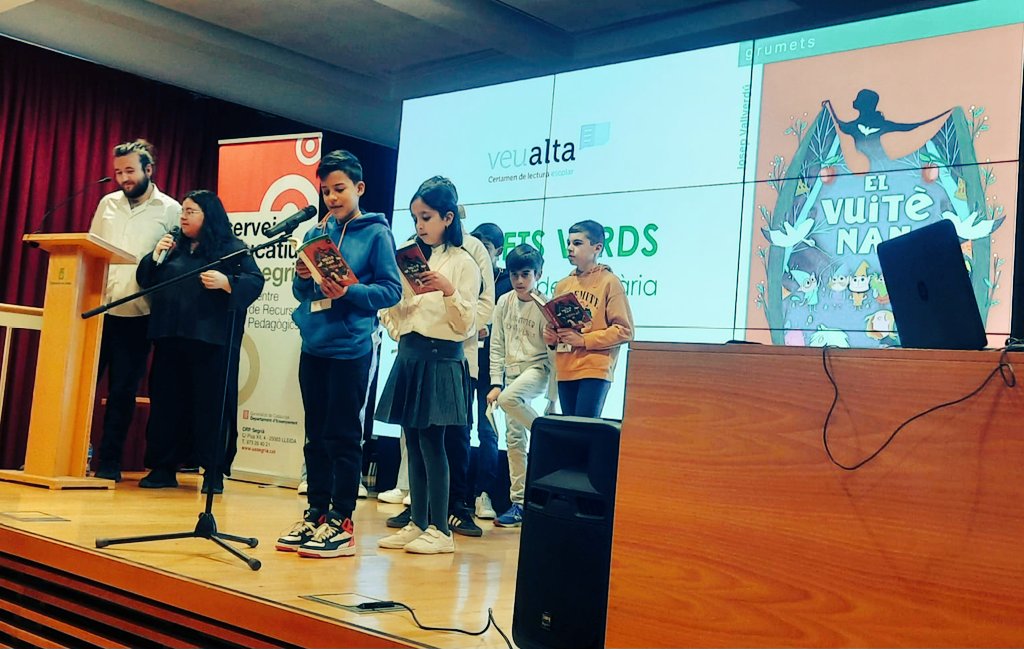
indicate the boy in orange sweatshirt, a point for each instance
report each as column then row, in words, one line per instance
column 585, row 360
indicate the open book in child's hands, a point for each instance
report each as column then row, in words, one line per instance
column 413, row 263
column 563, row 311
column 323, row 259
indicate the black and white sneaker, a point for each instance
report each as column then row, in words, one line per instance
column 461, row 522
column 401, row 520
column 300, row 532
column 333, row 538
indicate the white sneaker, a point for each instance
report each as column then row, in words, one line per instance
column 407, row 501
column 432, row 542
column 401, row 538
column 362, row 493
column 484, row 509
column 393, row 496
column 303, row 488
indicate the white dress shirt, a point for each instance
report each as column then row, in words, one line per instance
column 135, row 230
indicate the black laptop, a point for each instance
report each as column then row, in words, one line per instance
column 930, row 291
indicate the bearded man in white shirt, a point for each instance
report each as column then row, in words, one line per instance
column 133, row 218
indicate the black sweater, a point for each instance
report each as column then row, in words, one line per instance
column 190, row 310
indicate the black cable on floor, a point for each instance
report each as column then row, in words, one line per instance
column 490, row 621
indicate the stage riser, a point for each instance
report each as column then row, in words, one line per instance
column 60, row 609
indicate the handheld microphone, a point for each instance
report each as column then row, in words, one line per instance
column 292, row 222
column 176, row 233
column 42, row 221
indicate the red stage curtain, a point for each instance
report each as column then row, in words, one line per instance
column 59, row 119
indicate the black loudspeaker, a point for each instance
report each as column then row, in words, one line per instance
column 566, row 543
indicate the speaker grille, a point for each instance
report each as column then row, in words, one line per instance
column 591, row 507
column 565, row 547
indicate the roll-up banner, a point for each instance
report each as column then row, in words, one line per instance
column 263, row 181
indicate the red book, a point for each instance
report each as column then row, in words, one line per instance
column 563, row 311
column 412, row 263
column 323, row 259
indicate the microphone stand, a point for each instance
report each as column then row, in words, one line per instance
column 206, row 527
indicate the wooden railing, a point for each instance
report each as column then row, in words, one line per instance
column 14, row 316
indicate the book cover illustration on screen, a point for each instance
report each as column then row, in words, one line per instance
column 863, row 165
column 563, row 311
column 412, row 262
column 323, row 259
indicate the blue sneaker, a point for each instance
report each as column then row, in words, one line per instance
column 512, row 518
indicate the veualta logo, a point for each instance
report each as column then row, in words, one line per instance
column 553, row 150
column 592, row 135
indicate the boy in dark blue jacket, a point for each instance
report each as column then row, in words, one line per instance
column 336, row 323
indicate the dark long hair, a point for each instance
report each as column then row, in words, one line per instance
column 216, row 235
column 440, row 194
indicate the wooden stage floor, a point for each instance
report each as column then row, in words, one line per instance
column 445, row 590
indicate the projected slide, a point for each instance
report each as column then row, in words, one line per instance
column 662, row 123
column 745, row 187
column 479, row 137
column 873, row 153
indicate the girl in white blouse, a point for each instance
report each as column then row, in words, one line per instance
column 428, row 389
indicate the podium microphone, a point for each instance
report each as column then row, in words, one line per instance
column 49, row 212
column 292, row 222
column 176, row 233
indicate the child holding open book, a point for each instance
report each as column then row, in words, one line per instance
column 337, row 321
column 585, row 358
column 427, row 392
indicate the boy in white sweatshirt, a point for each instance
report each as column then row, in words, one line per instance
column 520, row 367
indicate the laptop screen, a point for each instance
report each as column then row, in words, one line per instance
column 932, row 299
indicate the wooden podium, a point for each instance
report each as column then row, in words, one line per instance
column 760, row 541
column 69, row 349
